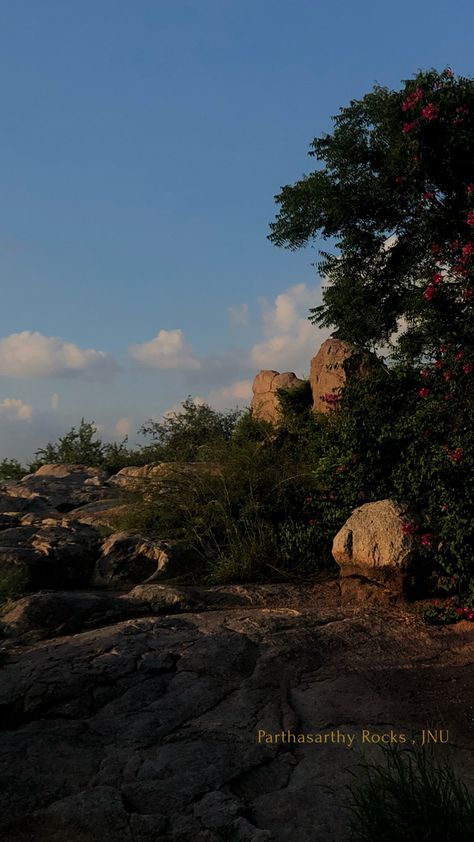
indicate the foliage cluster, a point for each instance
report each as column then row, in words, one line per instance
column 409, row 796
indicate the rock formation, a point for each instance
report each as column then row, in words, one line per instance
column 265, row 401
column 329, row 371
column 374, row 542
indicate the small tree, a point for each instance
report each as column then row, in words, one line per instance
column 77, row 446
column 195, row 433
column 396, row 190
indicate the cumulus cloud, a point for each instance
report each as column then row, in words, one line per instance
column 237, row 393
column 122, row 427
column 30, row 354
column 15, row 409
column 167, row 350
column 291, row 340
column 239, row 315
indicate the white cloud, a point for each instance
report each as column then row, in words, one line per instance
column 291, row 339
column 168, row 350
column 29, row 354
column 15, row 409
column 239, row 392
column 288, row 308
column 239, row 315
column 55, row 401
column 122, row 427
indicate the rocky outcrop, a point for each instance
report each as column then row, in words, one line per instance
column 127, row 559
column 53, row 613
column 374, row 542
column 62, row 487
column 156, row 727
column 329, row 371
column 51, row 556
column 265, row 401
column 137, row 477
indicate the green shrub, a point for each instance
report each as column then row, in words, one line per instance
column 245, row 514
column 13, row 584
column 11, row 469
column 410, row 798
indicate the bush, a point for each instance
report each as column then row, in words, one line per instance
column 245, row 514
column 410, row 798
column 13, row 584
column 11, row 469
column 80, row 446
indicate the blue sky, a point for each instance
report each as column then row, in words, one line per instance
column 142, row 144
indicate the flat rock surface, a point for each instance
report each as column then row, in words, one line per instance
column 146, row 730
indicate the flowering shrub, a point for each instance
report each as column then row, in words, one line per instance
column 396, row 190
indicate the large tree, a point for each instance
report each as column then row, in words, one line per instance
column 395, row 189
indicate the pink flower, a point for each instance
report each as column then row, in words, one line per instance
column 430, row 292
column 408, row 528
column 470, row 615
column 412, row 99
column 442, row 349
column 426, row 539
column 468, row 294
column 435, row 248
column 448, row 375
column 437, row 278
column 449, row 72
column 467, row 368
column 456, row 455
column 468, row 249
column 311, row 522
column 459, row 611
column 470, row 189
column 425, row 373
column 459, row 356
column 424, row 392
column 341, row 469
column 470, row 218
column 427, row 196
column 430, row 111
column 408, row 127
column 448, row 397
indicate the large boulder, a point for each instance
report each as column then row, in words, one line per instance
column 49, row 556
column 104, row 513
column 330, row 368
column 373, row 542
column 127, row 559
column 265, row 401
column 52, row 613
column 61, row 486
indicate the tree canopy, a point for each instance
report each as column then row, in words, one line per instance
column 395, row 189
